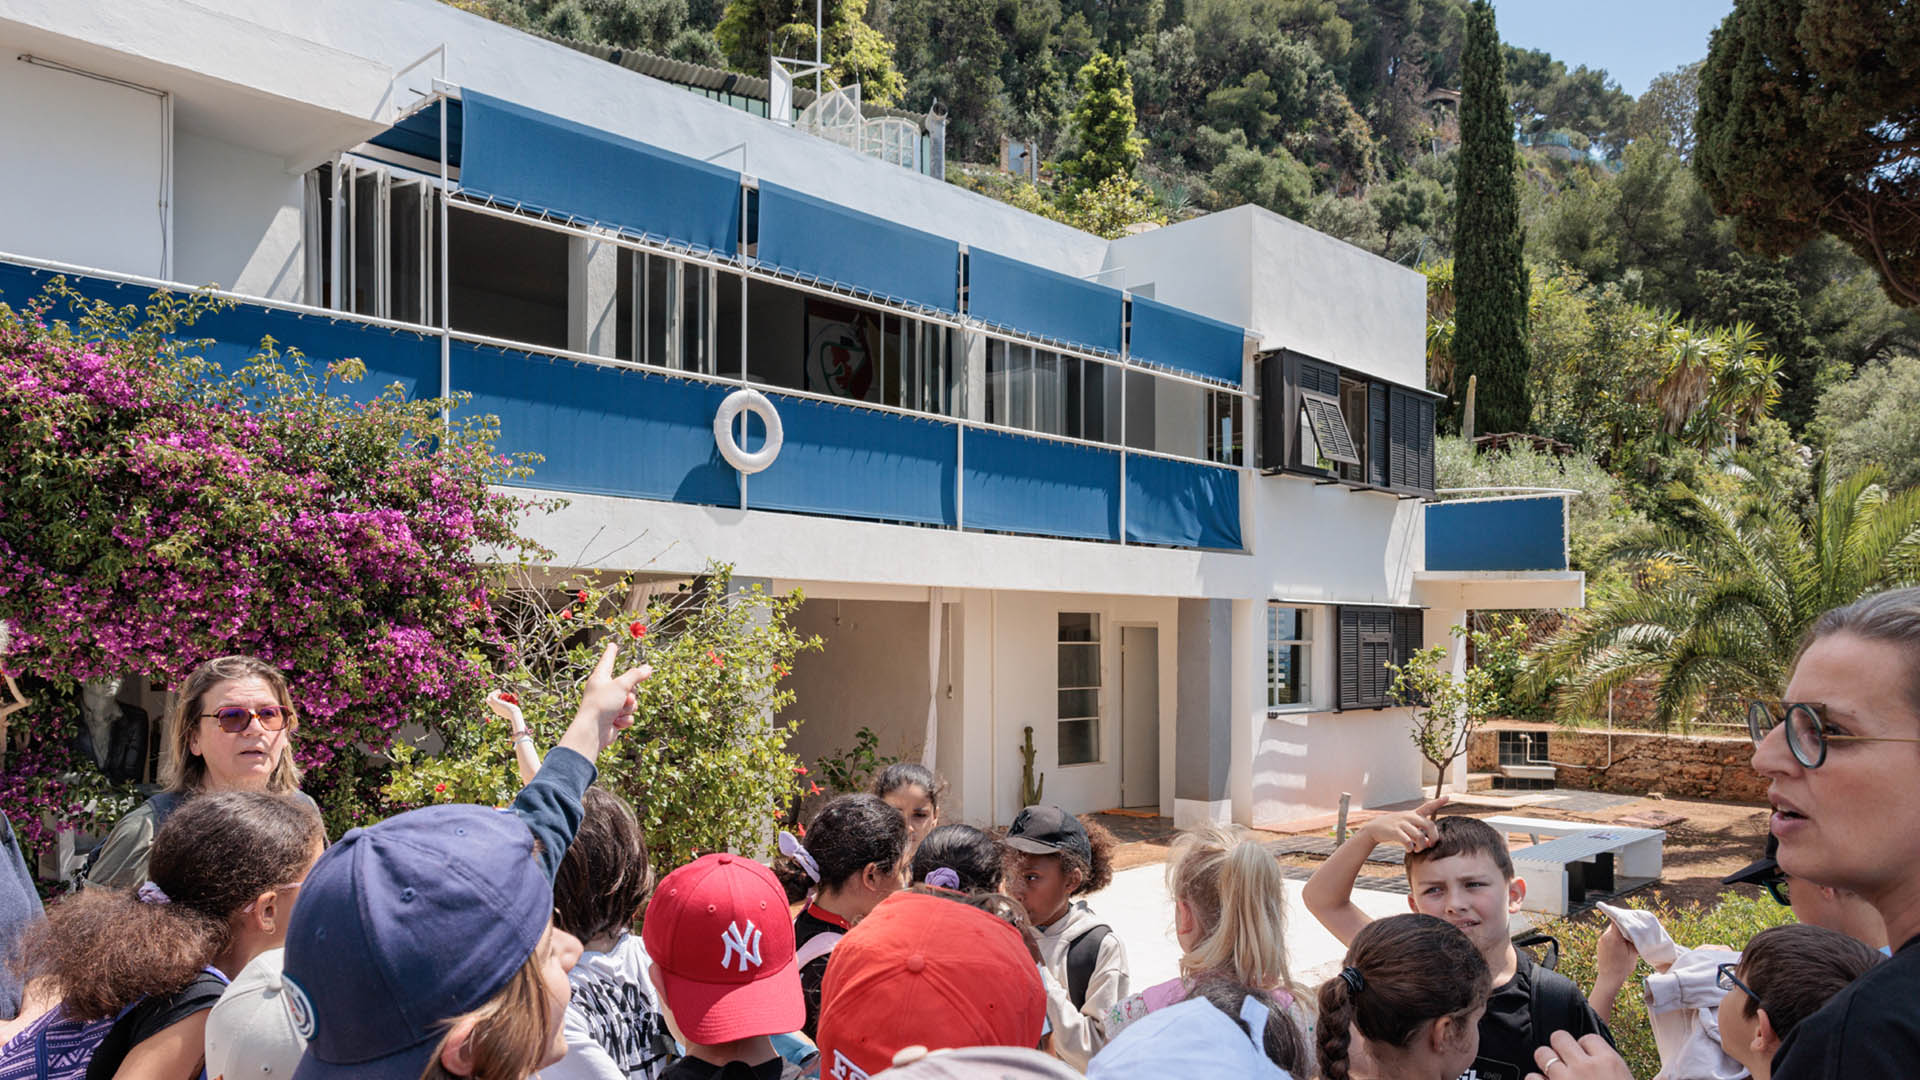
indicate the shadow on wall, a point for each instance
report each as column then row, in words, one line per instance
column 872, row 673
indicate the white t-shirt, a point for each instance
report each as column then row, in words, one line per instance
column 614, row 1030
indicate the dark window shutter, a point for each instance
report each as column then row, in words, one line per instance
column 1409, row 629
column 1402, row 472
column 1320, row 378
column 1377, row 435
column 1376, row 649
column 1274, row 427
column 1348, row 658
column 1424, row 455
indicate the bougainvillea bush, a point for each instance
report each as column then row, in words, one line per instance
column 704, row 765
column 157, row 510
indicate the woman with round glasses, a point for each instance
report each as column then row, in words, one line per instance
column 230, row 729
column 1843, row 755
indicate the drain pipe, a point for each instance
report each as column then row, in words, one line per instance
column 1527, row 738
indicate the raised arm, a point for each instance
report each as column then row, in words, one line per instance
column 1329, row 893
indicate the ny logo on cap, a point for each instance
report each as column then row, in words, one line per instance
column 746, row 943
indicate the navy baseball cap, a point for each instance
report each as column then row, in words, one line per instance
column 403, row 926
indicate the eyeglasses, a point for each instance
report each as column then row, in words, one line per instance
column 1807, row 734
column 234, row 719
column 1727, row 980
column 287, row 888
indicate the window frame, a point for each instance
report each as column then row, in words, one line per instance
column 1399, row 424
column 1098, row 644
column 1311, row 614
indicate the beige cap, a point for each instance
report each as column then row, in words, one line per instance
column 251, row 1032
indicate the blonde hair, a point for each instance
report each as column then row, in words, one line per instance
column 1236, row 891
column 184, row 771
column 510, row 1033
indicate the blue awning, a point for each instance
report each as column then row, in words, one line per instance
column 521, row 157
column 1182, row 503
column 419, row 134
column 816, row 239
column 846, row 461
column 1041, row 302
column 1016, row 483
column 1179, row 339
column 1498, row 534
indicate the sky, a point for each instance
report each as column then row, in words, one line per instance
column 1633, row 39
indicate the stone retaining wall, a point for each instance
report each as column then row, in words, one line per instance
column 1684, row 766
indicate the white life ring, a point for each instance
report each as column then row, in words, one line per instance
column 755, row 402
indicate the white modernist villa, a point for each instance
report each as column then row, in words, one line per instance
column 1168, row 501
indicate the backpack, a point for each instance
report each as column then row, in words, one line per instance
column 57, row 1048
column 54, row 1047
column 1083, row 953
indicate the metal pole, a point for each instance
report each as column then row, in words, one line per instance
column 446, row 291
column 818, row 63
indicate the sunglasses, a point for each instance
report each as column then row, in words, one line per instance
column 1807, row 734
column 1727, row 980
column 234, row 719
column 1777, row 888
column 292, row 886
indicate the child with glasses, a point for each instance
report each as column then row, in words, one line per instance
column 1786, row 974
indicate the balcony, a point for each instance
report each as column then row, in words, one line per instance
column 612, row 427
column 1499, row 549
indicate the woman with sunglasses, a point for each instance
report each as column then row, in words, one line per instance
column 231, row 729
column 1843, row 755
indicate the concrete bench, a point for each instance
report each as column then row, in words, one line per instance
column 1579, row 857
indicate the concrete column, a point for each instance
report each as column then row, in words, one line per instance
column 593, row 295
column 1437, row 628
column 1203, row 737
column 972, row 765
column 1249, row 702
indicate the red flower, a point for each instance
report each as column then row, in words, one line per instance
column 567, row 614
column 779, row 670
column 800, row 770
column 478, row 606
column 509, row 698
column 638, row 630
column 581, row 596
column 439, row 789
column 802, row 830
column 718, row 660
column 813, row 788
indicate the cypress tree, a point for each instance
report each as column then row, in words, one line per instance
column 1490, row 278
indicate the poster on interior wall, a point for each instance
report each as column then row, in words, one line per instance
column 843, row 350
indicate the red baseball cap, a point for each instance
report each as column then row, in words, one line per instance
column 717, row 929
column 923, row 970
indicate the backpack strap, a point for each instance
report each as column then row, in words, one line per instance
column 1083, row 954
column 816, row 947
column 1552, row 1002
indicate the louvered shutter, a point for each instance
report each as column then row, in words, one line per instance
column 1347, row 658
column 1320, row 378
column 1424, row 454
column 1401, row 471
column 1377, row 453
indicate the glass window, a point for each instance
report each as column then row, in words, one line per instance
column 1077, row 735
column 1289, row 655
column 660, row 309
column 1049, row 402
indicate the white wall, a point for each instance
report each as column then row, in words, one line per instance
column 82, row 164
column 237, row 220
column 872, row 673
column 1302, row 761
column 1294, row 287
column 1024, row 678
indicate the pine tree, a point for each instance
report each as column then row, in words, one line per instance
column 1490, row 278
column 1103, row 123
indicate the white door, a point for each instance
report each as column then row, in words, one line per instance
column 1140, row 716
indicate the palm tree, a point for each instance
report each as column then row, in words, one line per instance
column 1725, row 600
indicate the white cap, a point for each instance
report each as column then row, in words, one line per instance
column 251, row 1032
